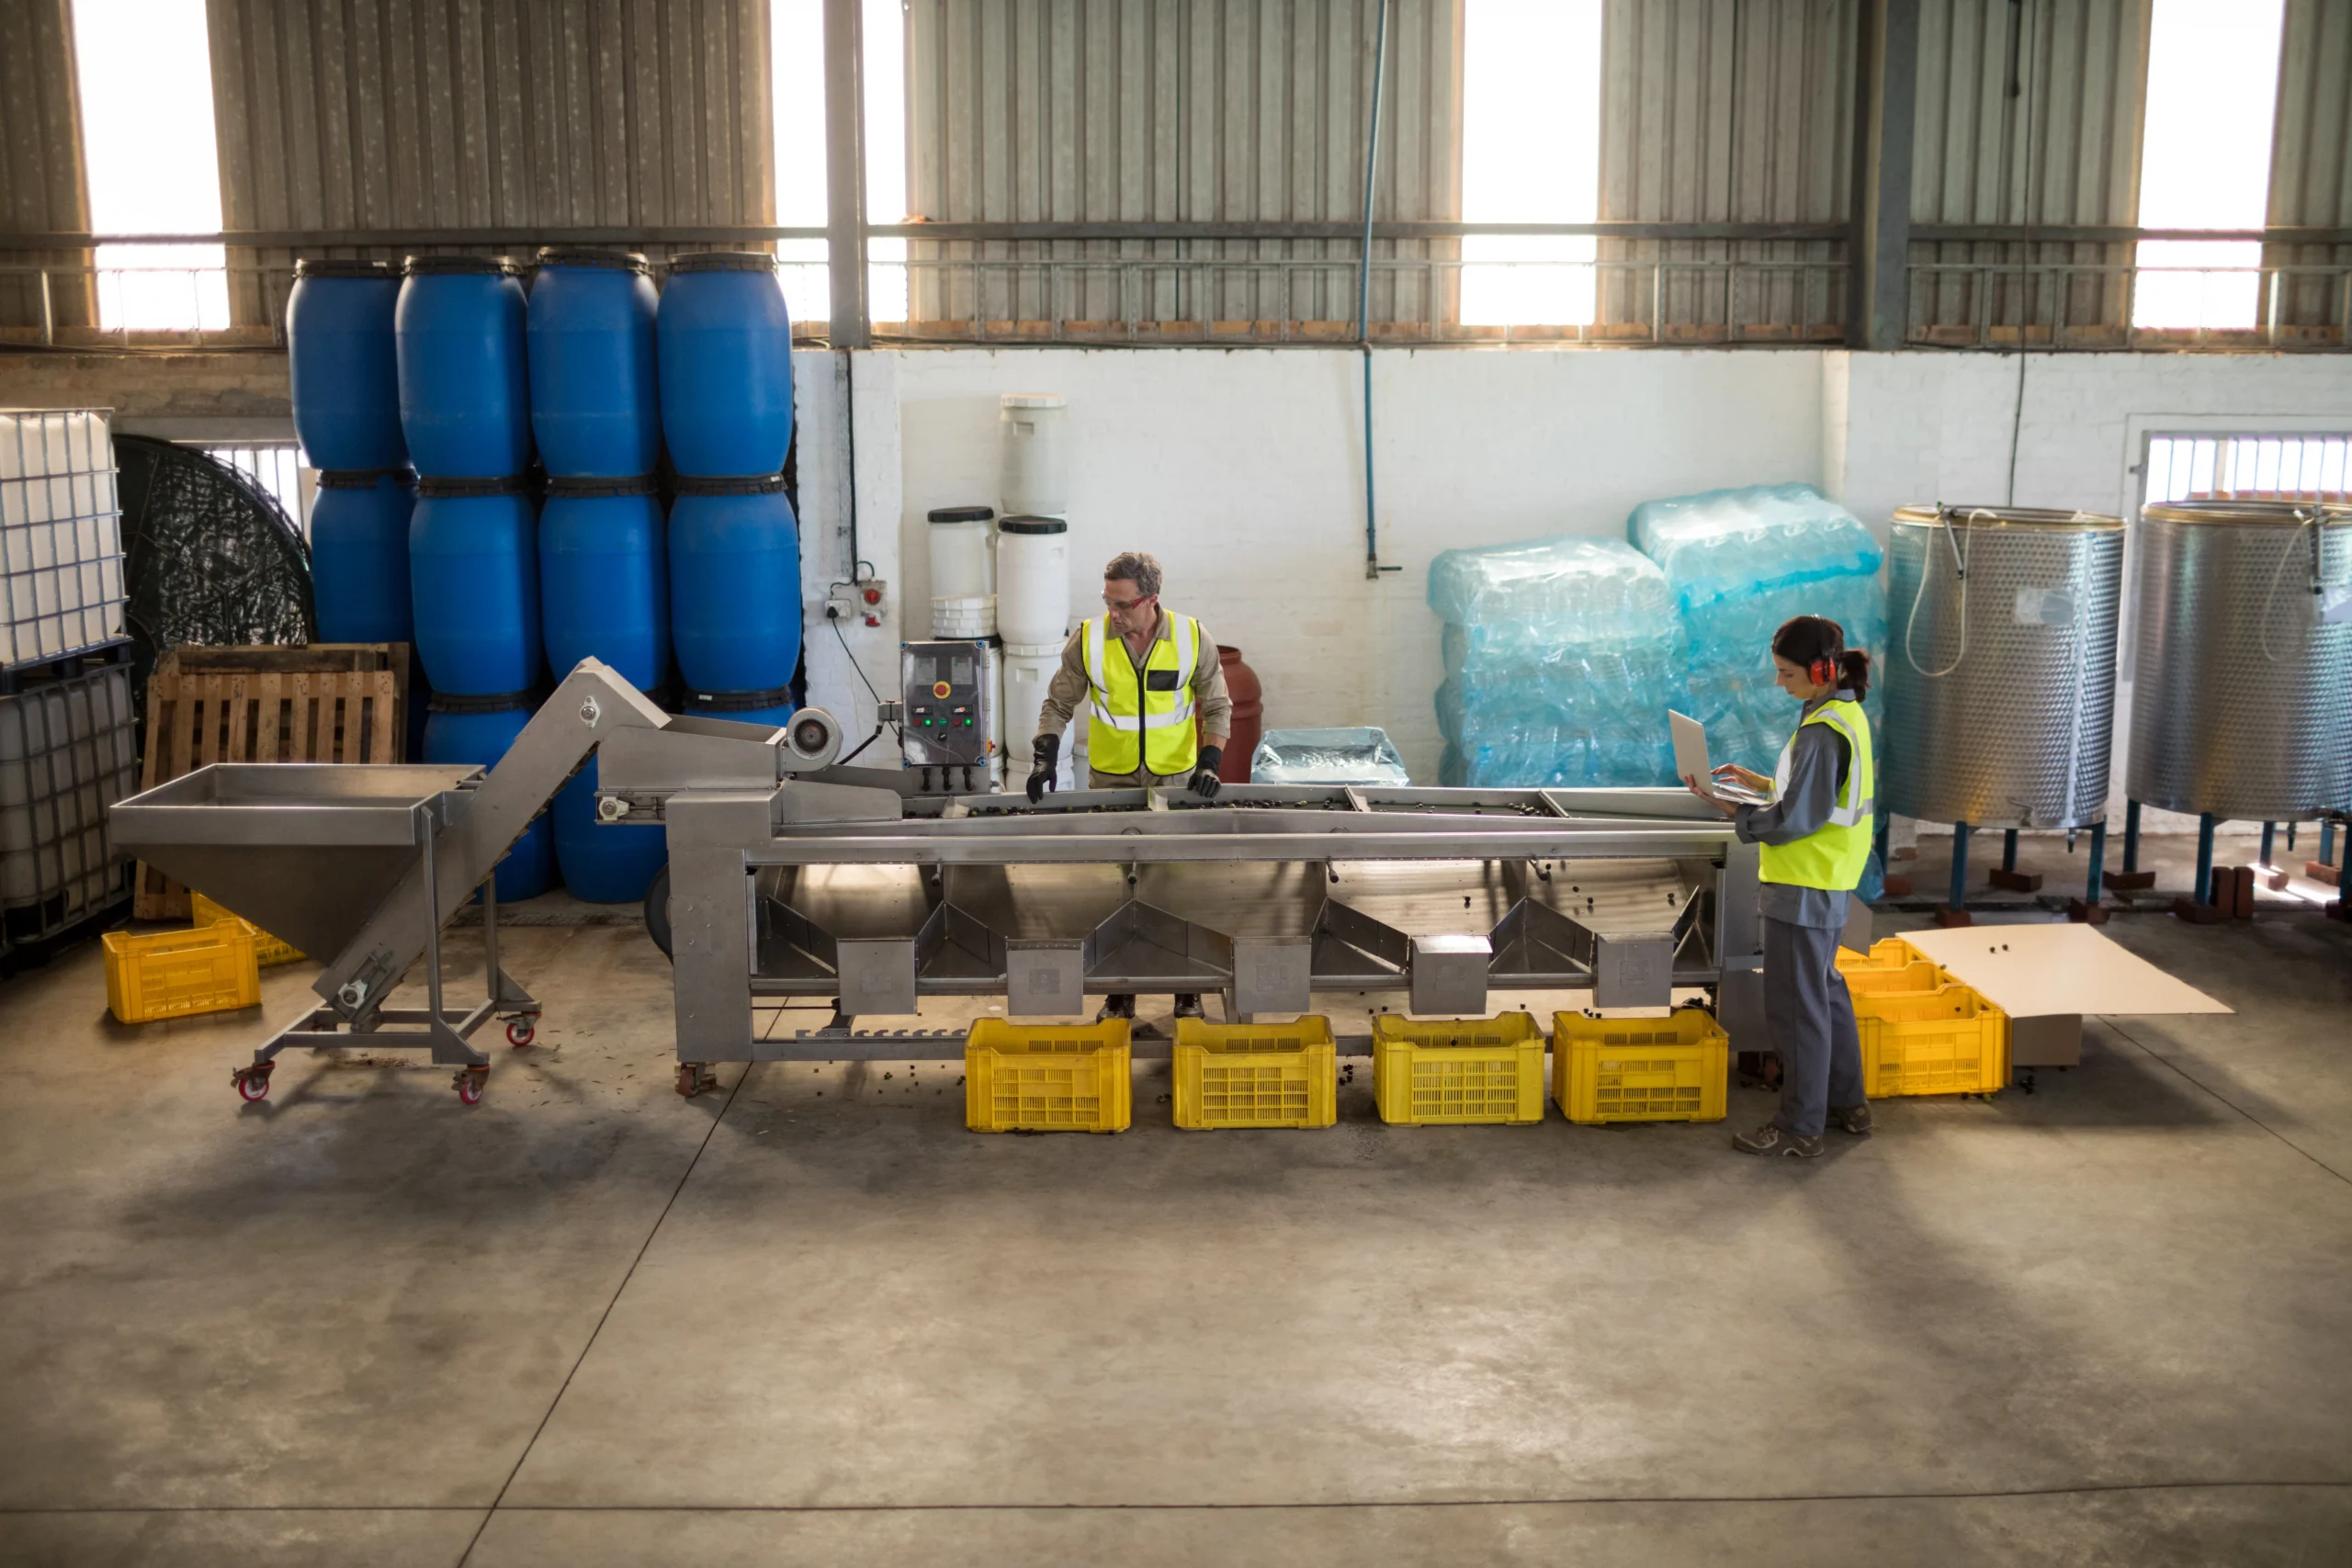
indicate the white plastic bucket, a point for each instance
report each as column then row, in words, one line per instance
column 972, row 615
column 1034, row 476
column 960, row 564
column 1033, row 580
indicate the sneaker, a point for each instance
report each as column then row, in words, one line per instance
column 1116, row 1007
column 1187, row 1005
column 1769, row 1139
column 1854, row 1119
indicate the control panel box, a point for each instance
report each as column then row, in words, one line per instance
column 948, row 690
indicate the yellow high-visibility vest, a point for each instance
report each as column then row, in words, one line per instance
column 1149, row 719
column 1833, row 855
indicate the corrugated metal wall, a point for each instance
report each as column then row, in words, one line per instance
column 2311, row 159
column 510, row 115
column 2029, row 113
column 1177, row 110
column 1726, row 111
column 41, row 187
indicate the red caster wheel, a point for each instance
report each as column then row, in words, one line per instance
column 470, row 1082
column 521, row 1031
column 253, row 1083
column 693, row 1078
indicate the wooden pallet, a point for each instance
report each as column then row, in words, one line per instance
column 259, row 705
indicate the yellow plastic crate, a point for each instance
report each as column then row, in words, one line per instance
column 1946, row 1040
column 1257, row 1075
column 1450, row 1073
column 177, row 973
column 1889, row 952
column 1021, row 1077
column 267, row 949
column 1675, row 1068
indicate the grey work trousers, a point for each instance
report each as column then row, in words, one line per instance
column 1811, row 1015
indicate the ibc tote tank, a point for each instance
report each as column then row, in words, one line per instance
column 734, row 585
column 359, row 556
column 343, row 367
column 726, row 364
column 2000, row 686
column 479, row 730
column 593, row 407
column 465, row 390
column 2238, row 703
column 474, row 579
column 605, row 578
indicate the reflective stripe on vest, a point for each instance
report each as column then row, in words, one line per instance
column 1131, row 725
column 1833, row 855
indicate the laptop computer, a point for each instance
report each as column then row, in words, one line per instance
column 1690, row 761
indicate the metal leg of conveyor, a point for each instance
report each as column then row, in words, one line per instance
column 1959, row 866
column 2204, row 884
column 2099, row 863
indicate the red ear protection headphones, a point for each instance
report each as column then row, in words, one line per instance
column 1822, row 672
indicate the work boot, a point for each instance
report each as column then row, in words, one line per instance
column 1769, row 1139
column 1187, row 1005
column 1116, row 1007
column 1854, row 1119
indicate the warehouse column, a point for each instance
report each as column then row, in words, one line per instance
column 1878, row 248
column 845, row 171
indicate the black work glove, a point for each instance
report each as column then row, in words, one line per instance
column 1044, row 752
column 1205, row 783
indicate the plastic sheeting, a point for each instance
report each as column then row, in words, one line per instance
column 1741, row 562
column 1560, row 665
column 1361, row 755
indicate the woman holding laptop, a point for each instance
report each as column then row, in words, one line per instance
column 1816, row 833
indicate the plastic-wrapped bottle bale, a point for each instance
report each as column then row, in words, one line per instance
column 725, row 353
column 359, row 556
column 593, row 406
column 734, row 585
column 474, row 580
column 1741, row 562
column 605, row 578
column 480, row 729
column 342, row 366
column 1560, row 663
column 464, row 373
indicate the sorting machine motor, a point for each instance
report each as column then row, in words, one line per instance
column 790, row 876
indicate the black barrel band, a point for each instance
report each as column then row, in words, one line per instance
column 589, row 255
column 456, row 266
column 448, row 489
column 576, row 488
column 740, row 701
column 363, row 479
column 747, row 484
column 722, row 261
column 339, row 266
column 497, row 702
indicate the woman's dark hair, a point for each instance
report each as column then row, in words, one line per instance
column 1806, row 639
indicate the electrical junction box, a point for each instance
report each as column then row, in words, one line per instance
column 860, row 602
column 948, row 720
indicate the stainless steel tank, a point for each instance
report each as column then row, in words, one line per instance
column 2242, row 660
column 2000, row 670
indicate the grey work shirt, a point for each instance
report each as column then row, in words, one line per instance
column 1070, row 685
column 1818, row 759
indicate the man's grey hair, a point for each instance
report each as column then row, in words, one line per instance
column 1136, row 568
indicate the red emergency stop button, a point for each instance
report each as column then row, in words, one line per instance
column 941, row 688
column 873, row 595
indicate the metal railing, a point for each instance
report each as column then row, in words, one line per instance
column 1294, row 300
column 2095, row 305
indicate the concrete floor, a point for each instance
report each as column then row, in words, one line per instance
column 809, row 1318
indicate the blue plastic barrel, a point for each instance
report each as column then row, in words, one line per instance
column 465, row 389
column 359, row 556
column 602, row 862
column 605, row 578
column 343, row 365
column 734, row 585
column 480, row 729
column 771, row 707
column 474, row 578
column 725, row 357
column 591, row 338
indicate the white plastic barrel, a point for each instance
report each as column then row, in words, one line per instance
column 1034, row 473
column 960, row 567
column 972, row 615
column 1033, row 580
column 1028, row 669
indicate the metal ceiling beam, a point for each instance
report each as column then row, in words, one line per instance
column 845, row 172
column 1886, row 114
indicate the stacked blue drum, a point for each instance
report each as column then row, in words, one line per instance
column 346, row 390
column 479, row 730
column 726, row 356
column 604, row 572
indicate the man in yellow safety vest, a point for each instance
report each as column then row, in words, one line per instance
column 1160, row 713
